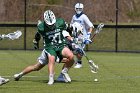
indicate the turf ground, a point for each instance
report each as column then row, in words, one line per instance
column 118, row 73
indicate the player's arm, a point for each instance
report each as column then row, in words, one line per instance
column 37, row 36
column 68, row 38
column 89, row 24
column 90, row 29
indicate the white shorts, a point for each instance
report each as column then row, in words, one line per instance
column 43, row 58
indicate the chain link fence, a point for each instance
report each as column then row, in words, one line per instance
column 121, row 19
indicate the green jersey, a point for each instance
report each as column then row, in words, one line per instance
column 53, row 38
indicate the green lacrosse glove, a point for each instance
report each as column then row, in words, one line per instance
column 36, row 44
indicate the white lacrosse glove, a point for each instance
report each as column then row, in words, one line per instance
column 87, row 41
column 36, row 44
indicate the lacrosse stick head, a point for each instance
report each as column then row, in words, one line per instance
column 94, row 68
column 99, row 28
column 14, row 35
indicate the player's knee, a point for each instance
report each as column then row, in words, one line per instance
column 71, row 55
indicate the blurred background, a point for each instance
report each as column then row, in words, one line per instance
column 121, row 32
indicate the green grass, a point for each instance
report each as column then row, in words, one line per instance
column 118, row 73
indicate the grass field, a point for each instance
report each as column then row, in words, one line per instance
column 118, row 73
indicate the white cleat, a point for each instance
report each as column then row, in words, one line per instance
column 78, row 65
column 51, row 80
column 3, row 81
column 17, row 77
column 61, row 78
column 66, row 75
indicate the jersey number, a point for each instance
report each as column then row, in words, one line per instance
column 56, row 38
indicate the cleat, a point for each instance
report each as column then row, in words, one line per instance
column 66, row 75
column 61, row 78
column 78, row 65
column 17, row 77
column 51, row 80
column 3, row 81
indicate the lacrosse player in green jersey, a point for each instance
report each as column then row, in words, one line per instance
column 53, row 32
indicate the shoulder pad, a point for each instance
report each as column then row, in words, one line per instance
column 60, row 23
column 40, row 25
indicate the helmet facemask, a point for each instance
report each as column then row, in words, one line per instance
column 51, row 27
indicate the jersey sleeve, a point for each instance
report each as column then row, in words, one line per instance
column 72, row 20
column 87, row 21
column 40, row 26
column 61, row 24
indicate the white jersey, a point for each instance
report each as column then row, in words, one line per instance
column 84, row 21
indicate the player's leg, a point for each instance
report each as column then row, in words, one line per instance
column 51, row 65
column 78, row 61
column 60, row 77
column 28, row 69
column 42, row 61
column 79, row 55
column 67, row 53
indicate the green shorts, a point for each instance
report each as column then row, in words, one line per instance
column 57, row 52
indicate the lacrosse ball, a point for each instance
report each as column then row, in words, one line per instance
column 95, row 79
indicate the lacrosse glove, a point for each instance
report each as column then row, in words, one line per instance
column 87, row 41
column 36, row 44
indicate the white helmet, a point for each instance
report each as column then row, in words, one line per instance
column 77, row 29
column 79, row 8
column 49, row 17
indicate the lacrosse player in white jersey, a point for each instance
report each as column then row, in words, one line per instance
column 82, row 19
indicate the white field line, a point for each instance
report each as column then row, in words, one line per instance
column 122, row 77
column 3, row 53
column 106, row 78
column 26, row 76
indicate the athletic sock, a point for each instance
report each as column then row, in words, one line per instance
column 79, row 62
column 21, row 73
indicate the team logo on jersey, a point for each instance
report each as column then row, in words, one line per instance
column 78, row 21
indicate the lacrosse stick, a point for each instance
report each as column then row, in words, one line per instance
column 11, row 36
column 98, row 30
column 94, row 68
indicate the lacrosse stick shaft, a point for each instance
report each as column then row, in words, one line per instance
column 93, row 37
column 98, row 29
